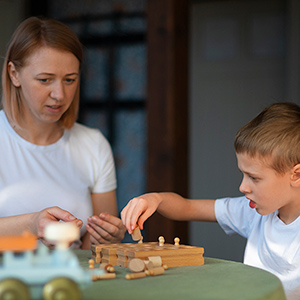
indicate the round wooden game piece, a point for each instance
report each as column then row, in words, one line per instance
column 136, row 234
column 136, row 265
column 149, row 264
column 156, row 261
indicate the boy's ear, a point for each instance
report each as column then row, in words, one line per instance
column 13, row 74
column 295, row 177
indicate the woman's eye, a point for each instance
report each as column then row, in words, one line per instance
column 70, row 80
column 43, row 80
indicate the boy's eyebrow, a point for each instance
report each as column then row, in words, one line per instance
column 247, row 173
column 250, row 174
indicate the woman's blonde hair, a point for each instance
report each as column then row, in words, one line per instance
column 30, row 35
column 274, row 134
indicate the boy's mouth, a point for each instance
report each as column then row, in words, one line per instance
column 252, row 204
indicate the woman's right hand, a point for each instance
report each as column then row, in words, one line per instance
column 139, row 209
column 52, row 214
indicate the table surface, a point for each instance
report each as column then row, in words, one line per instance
column 215, row 280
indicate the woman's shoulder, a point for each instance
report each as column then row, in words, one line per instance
column 82, row 133
column 83, row 130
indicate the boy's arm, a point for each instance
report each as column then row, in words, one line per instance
column 170, row 205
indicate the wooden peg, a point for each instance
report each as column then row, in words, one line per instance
column 161, row 241
column 104, row 276
column 107, row 267
column 135, row 275
column 176, row 241
column 91, row 264
column 155, row 271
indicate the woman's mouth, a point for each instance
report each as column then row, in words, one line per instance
column 54, row 108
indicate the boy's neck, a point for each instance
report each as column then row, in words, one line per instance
column 289, row 214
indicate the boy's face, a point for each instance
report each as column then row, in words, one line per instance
column 267, row 190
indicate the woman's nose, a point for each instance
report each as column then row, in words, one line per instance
column 57, row 92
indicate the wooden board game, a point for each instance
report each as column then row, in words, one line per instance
column 173, row 255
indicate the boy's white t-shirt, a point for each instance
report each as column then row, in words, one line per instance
column 63, row 174
column 271, row 244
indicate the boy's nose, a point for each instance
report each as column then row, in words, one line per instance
column 244, row 188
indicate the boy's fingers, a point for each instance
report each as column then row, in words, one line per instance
column 127, row 217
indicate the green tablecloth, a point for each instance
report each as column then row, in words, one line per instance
column 215, row 280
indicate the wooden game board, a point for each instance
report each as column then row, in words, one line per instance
column 171, row 255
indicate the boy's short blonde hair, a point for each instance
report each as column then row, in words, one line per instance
column 274, row 134
column 30, row 35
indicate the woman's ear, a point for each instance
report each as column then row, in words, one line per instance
column 295, row 176
column 13, row 74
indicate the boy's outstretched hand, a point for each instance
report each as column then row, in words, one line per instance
column 139, row 209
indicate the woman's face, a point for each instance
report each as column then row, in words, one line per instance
column 48, row 83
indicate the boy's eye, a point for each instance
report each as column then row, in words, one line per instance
column 253, row 178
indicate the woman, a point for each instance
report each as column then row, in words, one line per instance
column 51, row 168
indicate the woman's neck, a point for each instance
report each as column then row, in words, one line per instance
column 43, row 135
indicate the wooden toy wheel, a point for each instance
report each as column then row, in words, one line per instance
column 61, row 289
column 13, row 289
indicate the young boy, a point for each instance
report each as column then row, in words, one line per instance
column 268, row 155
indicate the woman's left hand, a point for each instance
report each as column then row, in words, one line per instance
column 105, row 229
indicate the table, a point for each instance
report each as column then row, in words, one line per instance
column 215, row 280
